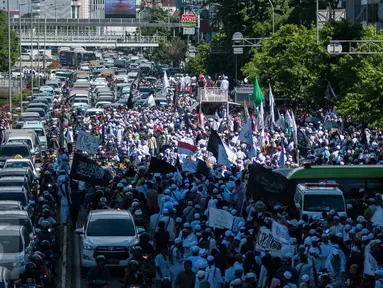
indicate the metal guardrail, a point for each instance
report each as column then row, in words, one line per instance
column 213, row 94
column 26, row 22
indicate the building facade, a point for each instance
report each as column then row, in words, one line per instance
column 368, row 12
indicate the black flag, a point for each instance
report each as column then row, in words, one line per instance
column 202, row 168
column 130, row 103
column 213, row 143
column 160, row 166
column 266, row 184
column 88, row 170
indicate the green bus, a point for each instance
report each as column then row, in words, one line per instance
column 349, row 178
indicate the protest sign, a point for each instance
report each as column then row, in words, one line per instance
column 219, row 218
column 370, row 264
column 87, row 142
column 377, row 218
column 88, row 170
column 266, row 242
column 280, row 232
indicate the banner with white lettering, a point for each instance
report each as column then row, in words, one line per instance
column 266, row 242
column 280, row 232
column 89, row 171
column 219, row 218
column 87, row 142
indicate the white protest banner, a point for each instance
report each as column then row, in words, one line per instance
column 87, row 142
column 266, row 242
column 280, row 232
column 219, row 218
column 377, row 218
column 370, row 264
column 189, row 165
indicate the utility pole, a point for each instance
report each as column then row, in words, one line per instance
column 9, row 59
column 317, row 24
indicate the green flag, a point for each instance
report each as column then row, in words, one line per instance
column 257, row 94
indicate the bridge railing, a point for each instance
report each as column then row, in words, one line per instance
column 92, row 38
column 15, row 22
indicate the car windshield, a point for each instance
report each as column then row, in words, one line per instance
column 29, row 118
column 39, row 132
column 320, row 203
column 14, row 197
column 11, row 244
column 21, row 164
column 26, row 141
column 81, row 101
column 18, row 222
column 110, row 227
column 12, row 151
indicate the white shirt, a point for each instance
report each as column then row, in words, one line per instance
column 225, row 85
column 163, row 266
column 216, row 273
column 208, row 277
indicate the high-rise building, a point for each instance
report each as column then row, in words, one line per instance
column 97, row 9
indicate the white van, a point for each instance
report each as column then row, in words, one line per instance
column 315, row 198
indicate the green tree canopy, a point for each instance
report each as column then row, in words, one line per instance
column 290, row 61
column 4, row 43
column 199, row 63
column 172, row 51
column 301, row 70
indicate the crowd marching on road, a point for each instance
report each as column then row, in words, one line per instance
column 261, row 198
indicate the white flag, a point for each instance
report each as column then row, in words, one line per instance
column 151, row 101
column 165, row 85
column 261, row 117
column 246, row 133
column 295, row 130
column 189, row 165
column 271, row 105
column 280, row 232
column 251, row 153
column 370, row 264
column 226, row 156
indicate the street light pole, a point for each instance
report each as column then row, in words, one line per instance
column 33, row 76
column 45, row 44
column 272, row 10
column 21, row 64
column 317, row 28
column 9, row 59
column 38, row 51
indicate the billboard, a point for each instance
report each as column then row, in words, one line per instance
column 120, row 8
column 189, row 20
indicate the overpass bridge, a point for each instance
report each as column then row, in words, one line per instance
column 86, row 32
column 81, row 40
column 25, row 23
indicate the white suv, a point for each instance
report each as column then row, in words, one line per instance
column 110, row 233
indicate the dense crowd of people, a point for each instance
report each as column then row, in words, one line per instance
column 179, row 248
